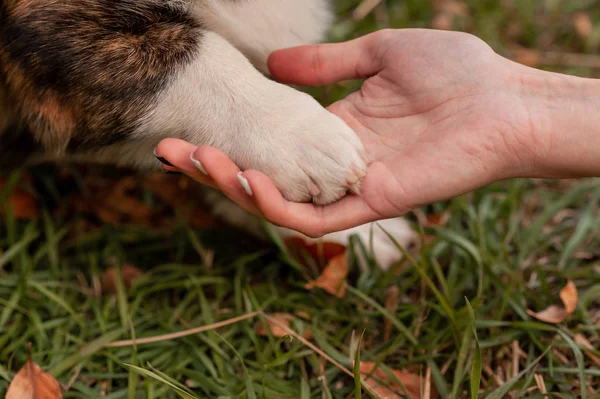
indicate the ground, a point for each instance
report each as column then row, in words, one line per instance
column 457, row 316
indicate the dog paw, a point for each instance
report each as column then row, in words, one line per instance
column 308, row 152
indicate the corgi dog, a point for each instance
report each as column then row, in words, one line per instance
column 107, row 80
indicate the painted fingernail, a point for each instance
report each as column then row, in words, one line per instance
column 161, row 159
column 244, row 183
column 198, row 164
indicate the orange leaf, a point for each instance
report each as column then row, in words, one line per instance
column 277, row 331
column 385, row 387
column 527, row 57
column 587, row 345
column 333, row 278
column 31, row 382
column 318, row 250
column 555, row 314
column 438, row 219
column 583, row 25
column 129, row 274
column 23, row 203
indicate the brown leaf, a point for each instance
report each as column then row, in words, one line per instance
column 333, row 256
column 182, row 195
column 385, row 387
column 277, row 331
column 333, row 278
column 584, row 343
column 583, row 25
column 527, row 57
column 129, row 274
column 446, row 13
column 23, row 203
column 324, row 251
column 556, row 314
column 31, row 382
column 438, row 219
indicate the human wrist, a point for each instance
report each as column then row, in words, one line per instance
column 564, row 124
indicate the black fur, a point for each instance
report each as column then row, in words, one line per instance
column 83, row 72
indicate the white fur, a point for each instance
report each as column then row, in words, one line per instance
column 383, row 250
column 221, row 100
column 258, row 27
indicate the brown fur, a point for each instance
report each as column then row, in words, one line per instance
column 82, row 73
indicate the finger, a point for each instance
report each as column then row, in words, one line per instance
column 312, row 220
column 177, row 153
column 224, row 174
column 321, row 64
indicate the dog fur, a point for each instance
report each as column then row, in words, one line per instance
column 106, row 80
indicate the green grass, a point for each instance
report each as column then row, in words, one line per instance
column 507, row 248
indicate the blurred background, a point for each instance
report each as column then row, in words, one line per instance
column 91, row 255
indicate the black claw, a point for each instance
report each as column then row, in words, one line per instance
column 163, row 161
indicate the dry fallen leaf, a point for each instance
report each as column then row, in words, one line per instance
column 557, row 314
column 278, row 332
column 182, row 196
column 446, row 13
column 384, row 387
column 331, row 257
column 584, row 343
column 333, row 278
column 527, row 57
column 129, row 274
column 438, row 219
column 23, row 203
column 583, row 25
column 31, row 382
column 115, row 203
column 320, row 251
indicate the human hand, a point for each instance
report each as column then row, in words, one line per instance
column 440, row 114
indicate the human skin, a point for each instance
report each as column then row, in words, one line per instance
column 439, row 113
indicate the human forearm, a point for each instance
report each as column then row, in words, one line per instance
column 565, row 124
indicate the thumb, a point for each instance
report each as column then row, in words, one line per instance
column 321, row 64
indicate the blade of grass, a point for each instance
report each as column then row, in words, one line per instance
column 357, row 377
column 9, row 186
column 587, row 221
column 423, row 274
column 580, row 361
column 146, row 373
column 250, row 392
column 476, row 366
column 85, row 352
column 394, row 320
column 459, row 370
column 16, row 249
column 534, row 232
column 501, row 392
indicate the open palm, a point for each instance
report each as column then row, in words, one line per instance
column 435, row 114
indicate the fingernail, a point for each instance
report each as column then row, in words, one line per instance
column 161, row 159
column 198, row 164
column 244, row 183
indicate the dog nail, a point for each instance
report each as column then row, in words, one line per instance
column 244, row 183
column 161, row 159
column 198, row 164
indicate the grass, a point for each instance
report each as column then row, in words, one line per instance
column 462, row 316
